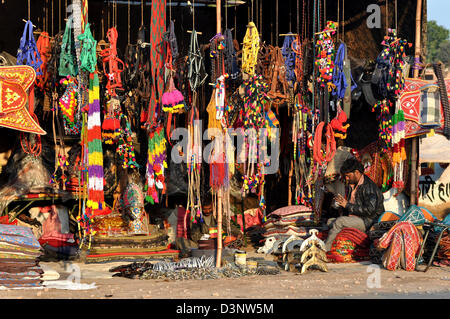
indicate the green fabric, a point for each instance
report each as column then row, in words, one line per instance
column 88, row 52
column 67, row 60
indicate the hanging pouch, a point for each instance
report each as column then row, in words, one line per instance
column 28, row 54
column 67, row 62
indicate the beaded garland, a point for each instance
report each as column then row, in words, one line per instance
column 393, row 56
column 385, row 123
column 68, row 105
column 156, row 163
column 96, row 201
column 325, row 54
column 398, row 148
column 254, row 119
column 125, row 148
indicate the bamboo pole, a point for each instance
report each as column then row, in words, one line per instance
column 414, row 153
column 219, row 193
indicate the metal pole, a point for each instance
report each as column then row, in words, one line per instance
column 219, row 193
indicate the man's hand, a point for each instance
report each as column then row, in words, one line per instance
column 340, row 200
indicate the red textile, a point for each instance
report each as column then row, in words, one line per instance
column 5, row 220
column 51, row 227
column 253, row 217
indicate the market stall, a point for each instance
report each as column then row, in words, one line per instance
column 174, row 130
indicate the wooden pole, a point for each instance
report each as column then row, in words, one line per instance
column 417, row 46
column 414, row 153
column 219, row 193
column 291, row 172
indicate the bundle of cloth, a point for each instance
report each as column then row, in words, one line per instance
column 350, row 245
column 55, row 238
column 19, row 257
column 288, row 221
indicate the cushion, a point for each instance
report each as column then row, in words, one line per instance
column 290, row 210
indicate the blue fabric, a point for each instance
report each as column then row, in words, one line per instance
column 28, row 54
column 289, row 59
column 339, row 78
column 446, row 221
column 18, row 235
column 414, row 215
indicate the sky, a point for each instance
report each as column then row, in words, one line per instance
column 439, row 10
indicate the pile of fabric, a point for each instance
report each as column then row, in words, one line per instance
column 131, row 248
column 350, row 245
column 19, row 253
column 288, row 221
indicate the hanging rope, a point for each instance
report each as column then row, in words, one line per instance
column 322, row 157
column 110, row 58
column 128, row 31
column 53, row 14
column 196, row 70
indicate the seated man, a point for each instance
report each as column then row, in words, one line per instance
column 364, row 206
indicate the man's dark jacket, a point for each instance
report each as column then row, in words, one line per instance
column 368, row 202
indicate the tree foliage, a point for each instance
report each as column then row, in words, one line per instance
column 438, row 43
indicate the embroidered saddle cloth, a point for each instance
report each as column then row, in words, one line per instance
column 14, row 83
column 402, row 243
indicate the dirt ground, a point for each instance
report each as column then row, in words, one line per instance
column 359, row 280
